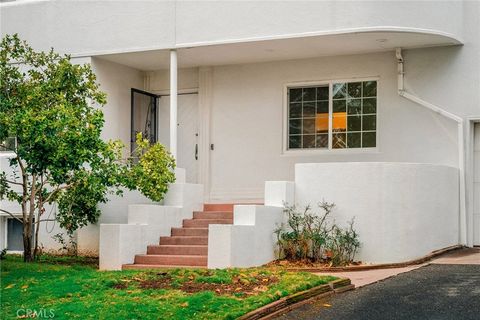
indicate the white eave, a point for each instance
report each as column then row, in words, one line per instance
column 286, row 47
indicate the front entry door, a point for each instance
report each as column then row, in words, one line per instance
column 187, row 135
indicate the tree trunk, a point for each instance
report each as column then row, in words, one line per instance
column 27, row 241
column 37, row 227
column 28, row 254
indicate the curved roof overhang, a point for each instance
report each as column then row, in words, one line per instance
column 286, row 47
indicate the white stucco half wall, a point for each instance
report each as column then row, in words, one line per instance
column 402, row 210
column 249, row 242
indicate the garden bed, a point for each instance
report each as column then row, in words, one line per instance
column 79, row 290
column 296, row 264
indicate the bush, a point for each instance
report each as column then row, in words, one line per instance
column 151, row 170
column 68, row 243
column 310, row 236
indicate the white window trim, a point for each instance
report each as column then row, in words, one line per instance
column 325, row 151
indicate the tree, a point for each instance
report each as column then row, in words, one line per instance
column 52, row 108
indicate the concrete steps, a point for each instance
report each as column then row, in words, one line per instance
column 170, row 259
column 138, row 266
column 199, row 232
column 199, row 223
column 200, row 250
column 183, row 240
column 187, row 246
column 212, row 215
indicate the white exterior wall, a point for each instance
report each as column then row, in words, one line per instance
column 159, row 81
column 86, row 27
column 247, row 122
column 402, row 211
column 116, row 81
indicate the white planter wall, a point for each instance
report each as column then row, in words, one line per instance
column 402, row 210
column 249, row 242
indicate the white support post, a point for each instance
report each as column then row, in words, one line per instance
column 173, row 103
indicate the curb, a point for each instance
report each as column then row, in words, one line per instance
column 421, row 260
column 297, row 299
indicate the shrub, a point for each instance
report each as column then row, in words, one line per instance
column 311, row 236
column 69, row 244
column 151, row 170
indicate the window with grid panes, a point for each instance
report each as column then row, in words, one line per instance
column 337, row 115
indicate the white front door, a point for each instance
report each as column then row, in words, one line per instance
column 476, row 185
column 187, row 153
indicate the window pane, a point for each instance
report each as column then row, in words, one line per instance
column 295, row 95
column 354, row 106
column 295, row 110
column 294, row 142
column 339, row 105
column 322, row 141
column 368, row 139
column 354, row 140
column 354, row 123
column 309, row 94
column 370, row 89
column 322, row 123
column 339, row 140
column 309, row 126
column 309, row 109
column 369, row 123
column 322, row 107
column 339, row 90
column 295, row 127
column 354, row 89
column 369, row 106
column 352, row 120
column 309, row 141
column 322, row 93
column 339, row 123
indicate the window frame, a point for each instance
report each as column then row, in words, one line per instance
column 329, row 149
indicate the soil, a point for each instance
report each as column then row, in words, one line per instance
column 238, row 286
column 305, row 264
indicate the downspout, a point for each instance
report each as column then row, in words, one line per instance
column 460, row 134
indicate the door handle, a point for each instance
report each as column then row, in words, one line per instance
column 196, row 151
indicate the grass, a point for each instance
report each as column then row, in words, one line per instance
column 74, row 289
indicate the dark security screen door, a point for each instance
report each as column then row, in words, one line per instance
column 143, row 116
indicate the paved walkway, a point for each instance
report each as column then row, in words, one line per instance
column 362, row 278
column 446, row 288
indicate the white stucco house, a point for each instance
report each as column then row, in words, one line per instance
column 372, row 105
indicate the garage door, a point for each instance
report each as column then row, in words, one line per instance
column 476, row 189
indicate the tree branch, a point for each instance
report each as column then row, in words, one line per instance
column 47, row 199
column 44, row 220
column 12, row 215
column 14, row 182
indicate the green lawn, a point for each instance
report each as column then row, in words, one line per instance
column 73, row 288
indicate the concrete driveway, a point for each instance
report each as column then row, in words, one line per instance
column 448, row 288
